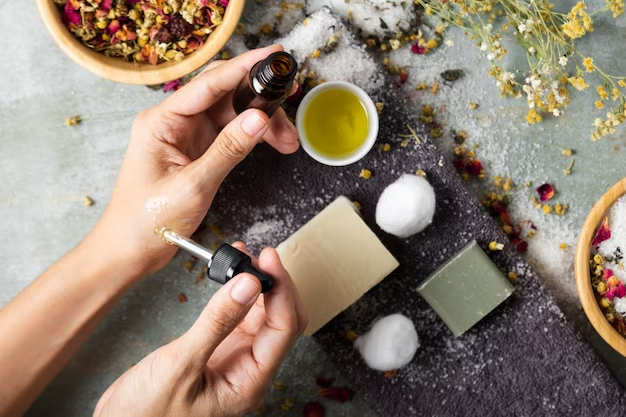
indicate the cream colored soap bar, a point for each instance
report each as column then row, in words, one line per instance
column 334, row 259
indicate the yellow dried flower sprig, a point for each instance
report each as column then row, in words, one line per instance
column 548, row 38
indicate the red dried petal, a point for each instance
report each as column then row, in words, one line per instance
column 106, row 5
column 459, row 164
column 172, row 86
column 620, row 290
column 418, row 49
column 505, row 218
column 132, row 1
column 71, row 16
column 521, row 246
column 113, row 27
column 323, row 382
column 546, row 192
column 603, row 233
column 474, row 167
column 404, row 76
column 193, row 43
column 498, row 208
column 607, row 273
column 338, row 394
column 223, row 3
column 313, row 409
column 615, row 291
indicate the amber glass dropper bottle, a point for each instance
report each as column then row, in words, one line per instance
column 268, row 85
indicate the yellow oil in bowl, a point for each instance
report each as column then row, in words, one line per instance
column 336, row 123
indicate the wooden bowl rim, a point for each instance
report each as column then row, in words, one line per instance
column 116, row 69
column 582, row 273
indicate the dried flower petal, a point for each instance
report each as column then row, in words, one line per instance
column 324, row 382
column 71, row 15
column 474, row 167
column 521, row 246
column 404, row 76
column 459, row 164
column 607, row 273
column 418, row 49
column 106, row 5
column 172, row 86
column 182, row 298
column 546, row 192
column 113, row 27
column 338, row 394
column 390, row 374
column 313, row 409
column 619, row 291
column 603, row 233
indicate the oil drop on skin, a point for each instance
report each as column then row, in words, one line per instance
column 336, row 123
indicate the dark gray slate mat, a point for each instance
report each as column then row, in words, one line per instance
column 524, row 359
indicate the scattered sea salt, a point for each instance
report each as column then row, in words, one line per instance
column 620, row 305
column 373, row 17
column 264, row 232
column 487, row 132
column 348, row 62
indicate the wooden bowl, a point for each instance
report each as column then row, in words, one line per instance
column 583, row 279
column 116, row 69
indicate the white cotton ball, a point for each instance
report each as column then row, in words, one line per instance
column 390, row 344
column 406, row 206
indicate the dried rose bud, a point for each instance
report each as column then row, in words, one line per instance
column 606, row 274
column 417, row 49
column 474, row 167
column 546, row 192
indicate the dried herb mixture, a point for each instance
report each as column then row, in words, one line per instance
column 146, row 31
column 609, row 290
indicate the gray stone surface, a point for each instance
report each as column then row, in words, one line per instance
column 46, row 168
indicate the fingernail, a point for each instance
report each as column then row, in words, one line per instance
column 253, row 124
column 245, row 290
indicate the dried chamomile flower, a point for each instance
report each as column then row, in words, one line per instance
column 73, row 121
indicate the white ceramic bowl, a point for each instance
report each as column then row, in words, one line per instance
column 372, row 117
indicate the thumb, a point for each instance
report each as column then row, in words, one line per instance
column 226, row 309
column 231, row 146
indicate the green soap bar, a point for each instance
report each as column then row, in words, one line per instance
column 465, row 289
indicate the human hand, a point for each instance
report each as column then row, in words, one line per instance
column 222, row 366
column 179, row 153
